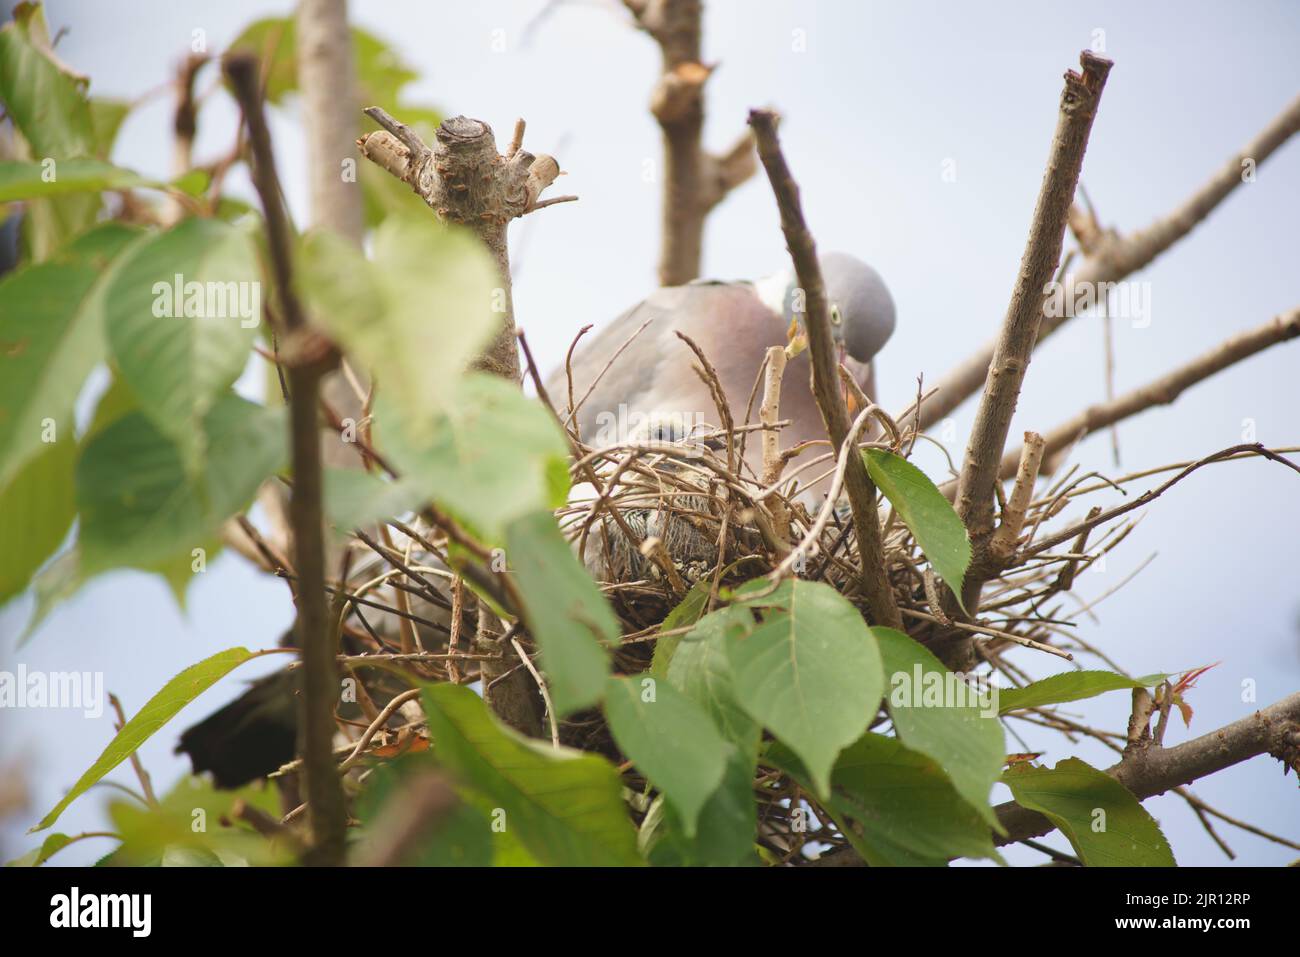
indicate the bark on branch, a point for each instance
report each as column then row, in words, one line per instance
column 1006, row 372
column 327, row 812
column 825, row 376
column 1111, row 257
column 1162, row 391
column 465, row 180
column 694, row 180
column 1148, row 769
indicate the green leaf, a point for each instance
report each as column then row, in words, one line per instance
column 45, row 99
column 54, row 584
column 670, row 739
column 464, row 838
column 565, row 807
column 36, row 511
column 937, row 714
column 159, row 709
column 1104, row 822
column 566, row 614
column 897, row 807
column 19, row 180
column 51, row 337
column 924, row 510
column 138, row 506
column 429, row 287
column 47, row 103
column 810, row 672
column 181, row 342
column 193, row 826
column 38, row 856
column 355, row 499
column 701, row 670
column 725, row 835
column 687, row 612
column 106, row 117
column 379, row 69
column 491, row 458
column 1070, row 686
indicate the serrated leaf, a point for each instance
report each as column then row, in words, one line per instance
column 45, row 99
column 429, row 287
column 158, row 710
column 140, row 508
column 36, row 511
column 565, row 807
column 565, row 612
column 356, row 499
column 725, row 835
column 35, row 180
column 39, row 855
column 701, row 670
column 937, row 714
column 896, row 806
column 380, row 71
column 106, row 116
column 166, row 835
column 924, row 510
column 463, row 838
column 810, row 672
column 51, row 337
column 684, row 614
column 1070, row 686
column 179, row 343
column 670, row 739
column 489, row 459
column 1105, row 823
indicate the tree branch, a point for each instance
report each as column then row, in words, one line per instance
column 694, row 181
column 1147, row 769
column 1164, row 390
column 326, row 809
column 825, row 379
column 1113, row 257
column 1019, row 332
column 464, row 180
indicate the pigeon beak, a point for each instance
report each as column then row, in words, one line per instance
column 850, row 400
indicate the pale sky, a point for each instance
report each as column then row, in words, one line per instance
column 880, row 100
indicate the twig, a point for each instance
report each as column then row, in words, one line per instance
column 146, row 785
column 328, row 815
column 694, row 181
column 1019, row 331
column 825, row 381
column 1116, row 257
column 1149, row 771
column 1167, row 388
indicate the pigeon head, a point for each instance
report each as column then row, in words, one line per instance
column 862, row 310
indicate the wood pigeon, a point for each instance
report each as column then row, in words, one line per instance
column 650, row 390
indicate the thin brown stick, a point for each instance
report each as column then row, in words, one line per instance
column 1116, row 257
column 1166, row 389
column 825, row 381
column 1013, row 515
column 1006, row 372
column 694, row 181
column 1150, row 770
column 328, row 814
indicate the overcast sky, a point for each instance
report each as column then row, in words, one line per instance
column 879, row 101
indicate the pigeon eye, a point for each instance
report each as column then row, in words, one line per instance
column 836, row 318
